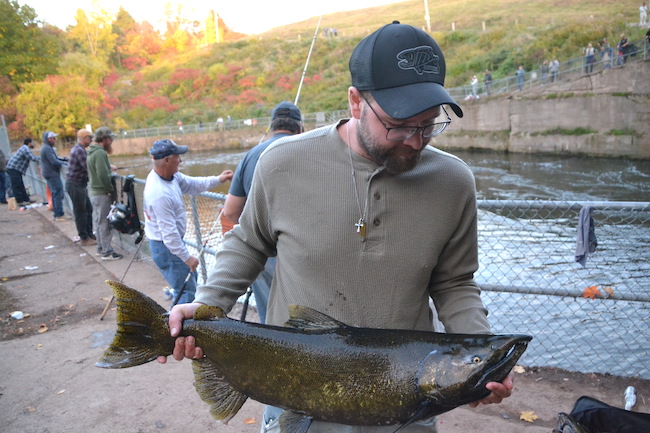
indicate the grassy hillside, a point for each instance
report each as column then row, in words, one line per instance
column 247, row 77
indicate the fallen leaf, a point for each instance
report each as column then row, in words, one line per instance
column 5, row 279
column 528, row 416
column 42, row 328
column 31, row 409
column 610, row 291
column 591, row 292
column 519, row 369
column 39, row 346
column 250, row 421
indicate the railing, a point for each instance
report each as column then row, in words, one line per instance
column 567, row 69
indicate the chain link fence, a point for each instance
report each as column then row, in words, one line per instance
column 586, row 319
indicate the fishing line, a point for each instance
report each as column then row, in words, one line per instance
column 189, row 274
column 110, row 301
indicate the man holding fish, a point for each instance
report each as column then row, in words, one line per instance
column 367, row 221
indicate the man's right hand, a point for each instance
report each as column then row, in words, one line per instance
column 193, row 263
column 184, row 347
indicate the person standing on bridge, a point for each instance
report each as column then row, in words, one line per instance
column 286, row 120
column 102, row 191
column 166, row 218
column 76, row 186
column 16, row 169
column 368, row 222
column 51, row 170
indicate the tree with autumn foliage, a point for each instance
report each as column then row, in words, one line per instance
column 26, row 52
column 93, row 35
column 63, row 104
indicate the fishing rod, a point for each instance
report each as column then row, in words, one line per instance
column 110, row 301
column 304, row 71
column 189, row 274
column 132, row 166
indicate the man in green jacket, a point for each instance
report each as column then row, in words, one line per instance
column 101, row 190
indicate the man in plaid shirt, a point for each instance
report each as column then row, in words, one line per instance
column 16, row 168
column 76, row 187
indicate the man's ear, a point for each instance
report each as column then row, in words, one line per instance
column 354, row 100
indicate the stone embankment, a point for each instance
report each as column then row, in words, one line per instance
column 611, row 107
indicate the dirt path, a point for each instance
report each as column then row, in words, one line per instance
column 50, row 384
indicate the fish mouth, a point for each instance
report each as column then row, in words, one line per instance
column 499, row 370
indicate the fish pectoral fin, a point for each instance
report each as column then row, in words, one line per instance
column 307, row 319
column 213, row 388
column 292, row 422
column 423, row 412
column 207, row 312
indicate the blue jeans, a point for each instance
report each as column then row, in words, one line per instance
column 262, row 287
column 5, row 187
column 174, row 270
column 17, row 185
column 56, row 188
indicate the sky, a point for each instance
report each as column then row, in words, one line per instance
column 244, row 16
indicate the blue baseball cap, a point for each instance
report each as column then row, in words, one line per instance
column 166, row 147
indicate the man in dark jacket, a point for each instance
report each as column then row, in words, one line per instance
column 51, row 170
column 76, row 187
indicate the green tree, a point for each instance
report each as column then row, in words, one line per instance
column 93, row 35
column 27, row 53
column 59, row 103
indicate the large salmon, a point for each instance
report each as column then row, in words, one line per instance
column 315, row 367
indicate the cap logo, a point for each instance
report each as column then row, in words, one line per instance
column 420, row 59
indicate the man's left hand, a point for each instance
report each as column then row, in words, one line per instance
column 499, row 391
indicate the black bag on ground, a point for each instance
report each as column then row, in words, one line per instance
column 597, row 416
column 124, row 217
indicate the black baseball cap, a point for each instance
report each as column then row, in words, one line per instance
column 286, row 109
column 166, row 147
column 404, row 70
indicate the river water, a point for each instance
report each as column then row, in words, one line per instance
column 498, row 175
column 538, row 251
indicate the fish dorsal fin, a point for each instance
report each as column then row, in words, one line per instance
column 224, row 400
column 307, row 319
column 292, row 422
column 207, row 312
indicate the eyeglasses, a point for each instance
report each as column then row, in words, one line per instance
column 402, row 133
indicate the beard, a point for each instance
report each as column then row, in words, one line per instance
column 396, row 158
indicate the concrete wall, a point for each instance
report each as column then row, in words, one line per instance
column 613, row 100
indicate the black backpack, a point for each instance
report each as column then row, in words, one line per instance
column 593, row 416
column 124, row 217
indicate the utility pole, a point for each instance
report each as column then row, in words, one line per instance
column 427, row 18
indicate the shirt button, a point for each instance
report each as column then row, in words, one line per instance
column 377, row 196
column 376, row 222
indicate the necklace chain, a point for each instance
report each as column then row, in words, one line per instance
column 360, row 226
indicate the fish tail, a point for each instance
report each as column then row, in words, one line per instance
column 142, row 330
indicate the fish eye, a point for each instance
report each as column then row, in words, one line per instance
column 476, row 359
